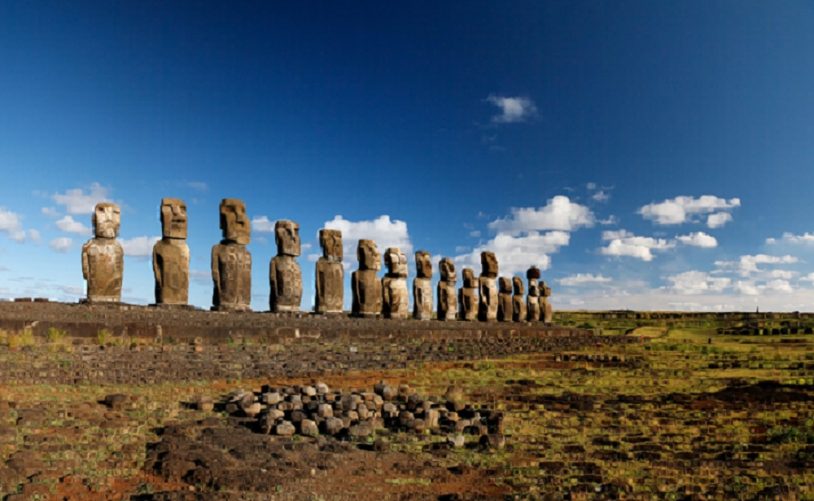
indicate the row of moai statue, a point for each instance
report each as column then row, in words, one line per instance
column 485, row 298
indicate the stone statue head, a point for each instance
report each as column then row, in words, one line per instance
column 106, row 220
column 533, row 273
column 173, row 218
column 368, row 255
column 505, row 285
column 447, row 269
column 396, row 262
column 331, row 243
column 234, row 223
column 488, row 262
column 287, row 237
column 423, row 264
column 518, row 285
column 469, row 277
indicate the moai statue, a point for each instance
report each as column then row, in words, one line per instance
column 468, row 295
column 504, row 300
column 518, row 301
column 394, row 284
column 103, row 256
column 365, row 285
column 422, row 286
column 487, row 288
column 533, row 275
column 546, row 310
column 330, row 276
column 171, row 255
column 285, row 276
column 231, row 261
column 447, row 302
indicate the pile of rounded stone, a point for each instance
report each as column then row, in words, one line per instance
column 313, row 410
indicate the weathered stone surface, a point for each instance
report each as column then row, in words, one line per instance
column 365, row 284
column 487, row 288
column 518, row 300
column 231, row 261
column 422, row 286
column 330, row 275
column 447, row 300
column 468, row 296
column 505, row 308
column 103, row 256
column 394, row 284
column 285, row 276
column 546, row 310
column 171, row 255
column 533, row 303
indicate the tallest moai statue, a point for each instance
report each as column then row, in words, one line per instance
column 231, row 261
column 171, row 255
column 488, row 298
column 103, row 256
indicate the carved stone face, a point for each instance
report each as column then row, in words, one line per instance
column 396, row 262
column 331, row 243
column 287, row 236
column 106, row 220
column 173, row 218
column 423, row 264
column 488, row 263
column 447, row 268
column 469, row 277
column 518, row 285
column 545, row 290
column 533, row 273
column 505, row 285
column 233, row 221
column 368, row 255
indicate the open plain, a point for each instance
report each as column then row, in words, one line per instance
column 111, row 403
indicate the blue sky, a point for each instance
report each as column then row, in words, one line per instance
column 645, row 154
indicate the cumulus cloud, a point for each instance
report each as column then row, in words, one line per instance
column 512, row 109
column 61, row 244
column 139, row 247
column 583, row 279
column 718, row 219
column 558, row 214
column 601, row 196
column 69, row 225
column 698, row 239
column 262, row 224
column 624, row 243
column 384, row 231
column 682, row 209
column 11, row 224
column 791, row 238
column 515, row 254
column 49, row 211
column 77, row 201
column 697, row 282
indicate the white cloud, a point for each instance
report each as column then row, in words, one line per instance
column 624, row 243
column 140, row 247
column 697, row 282
column 681, row 209
column 779, row 285
column 558, row 214
column 198, row 186
column 601, row 196
column 262, row 224
column 11, row 224
column 382, row 230
column 583, row 279
column 76, row 201
column 698, row 239
column 49, row 211
column 515, row 254
column 69, row 225
column 784, row 274
column 591, row 186
column 791, row 238
column 475, row 233
column 33, row 235
column 512, row 109
column 748, row 264
column 61, row 244
column 718, row 219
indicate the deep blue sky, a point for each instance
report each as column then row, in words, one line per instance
column 309, row 110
